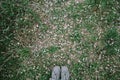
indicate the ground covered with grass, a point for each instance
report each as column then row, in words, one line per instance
column 80, row 34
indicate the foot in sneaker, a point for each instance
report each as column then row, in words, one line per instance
column 64, row 73
column 55, row 73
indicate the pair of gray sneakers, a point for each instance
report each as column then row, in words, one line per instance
column 58, row 72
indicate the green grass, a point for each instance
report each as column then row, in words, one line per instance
column 24, row 52
column 112, row 41
column 43, row 28
column 49, row 50
column 82, row 36
column 76, row 36
column 14, row 16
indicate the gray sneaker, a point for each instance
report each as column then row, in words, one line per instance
column 55, row 73
column 64, row 73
